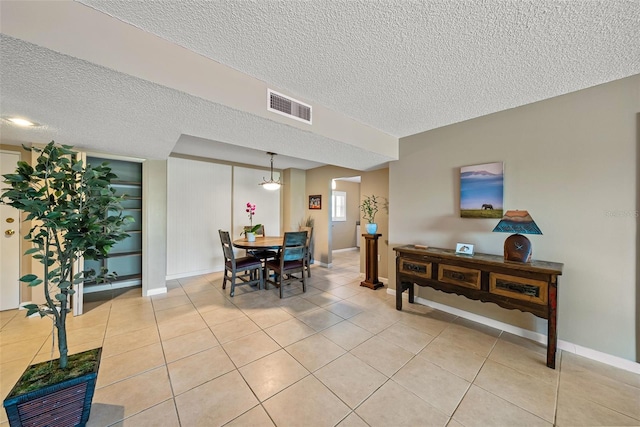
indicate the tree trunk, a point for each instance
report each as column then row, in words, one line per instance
column 62, row 338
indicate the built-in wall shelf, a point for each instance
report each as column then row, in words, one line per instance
column 125, row 257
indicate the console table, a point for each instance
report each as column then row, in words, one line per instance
column 530, row 287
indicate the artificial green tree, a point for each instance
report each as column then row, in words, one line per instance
column 74, row 213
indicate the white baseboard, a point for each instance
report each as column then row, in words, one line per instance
column 346, row 249
column 322, row 264
column 22, row 304
column 596, row 355
column 193, row 273
column 156, row 291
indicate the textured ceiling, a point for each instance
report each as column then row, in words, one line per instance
column 406, row 66
column 398, row 66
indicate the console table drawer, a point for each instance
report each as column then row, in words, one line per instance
column 416, row 268
column 518, row 287
column 459, row 276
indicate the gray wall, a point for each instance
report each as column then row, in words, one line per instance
column 571, row 162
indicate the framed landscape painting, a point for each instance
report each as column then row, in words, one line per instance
column 481, row 190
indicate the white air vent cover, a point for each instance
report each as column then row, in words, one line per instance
column 278, row 103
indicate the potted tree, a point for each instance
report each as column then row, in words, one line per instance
column 74, row 213
column 369, row 208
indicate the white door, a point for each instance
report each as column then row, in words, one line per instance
column 9, row 241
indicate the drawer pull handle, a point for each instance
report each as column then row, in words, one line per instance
column 415, row 268
column 519, row 288
column 457, row 276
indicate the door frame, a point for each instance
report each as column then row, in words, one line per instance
column 18, row 227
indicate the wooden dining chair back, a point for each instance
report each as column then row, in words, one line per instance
column 289, row 262
column 307, row 255
column 243, row 270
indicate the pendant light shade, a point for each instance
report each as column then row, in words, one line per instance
column 271, row 184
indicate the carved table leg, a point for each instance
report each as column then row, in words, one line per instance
column 552, row 338
column 399, row 291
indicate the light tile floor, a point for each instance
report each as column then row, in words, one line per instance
column 339, row 354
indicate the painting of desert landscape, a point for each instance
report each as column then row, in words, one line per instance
column 481, row 190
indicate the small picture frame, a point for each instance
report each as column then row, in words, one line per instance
column 464, row 249
column 315, row 201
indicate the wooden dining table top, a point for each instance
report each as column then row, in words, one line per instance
column 264, row 242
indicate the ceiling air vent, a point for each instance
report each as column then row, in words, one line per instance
column 289, row 107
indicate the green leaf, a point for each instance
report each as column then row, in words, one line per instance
column 35, row 282
column 61, row 297
column 28, row 278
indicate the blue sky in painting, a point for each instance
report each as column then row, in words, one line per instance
column 478, row 187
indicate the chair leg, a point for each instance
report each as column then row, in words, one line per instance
column 233, row 284
column 262, row 283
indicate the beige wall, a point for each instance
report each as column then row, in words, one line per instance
column 374, row 182
column 344, row 232
column 318, row 181
column 294, row 205
column 571, row 162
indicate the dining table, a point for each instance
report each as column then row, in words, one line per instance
column 262, row 243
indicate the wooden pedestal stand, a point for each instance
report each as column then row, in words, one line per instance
column 371, row 280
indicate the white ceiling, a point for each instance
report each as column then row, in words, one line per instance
column 399, row 67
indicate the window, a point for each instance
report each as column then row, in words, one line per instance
column 339, row 205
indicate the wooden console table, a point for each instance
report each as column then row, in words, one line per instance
column 530, row 287
column 371, row 279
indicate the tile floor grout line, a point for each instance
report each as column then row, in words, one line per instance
column 368, row 302
column 555, row 409
column 166, row 364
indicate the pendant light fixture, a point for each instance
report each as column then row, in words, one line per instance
column 271, row 184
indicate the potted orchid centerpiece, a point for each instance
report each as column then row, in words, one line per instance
column 250, row 231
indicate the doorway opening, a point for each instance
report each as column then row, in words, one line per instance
column 345, row 214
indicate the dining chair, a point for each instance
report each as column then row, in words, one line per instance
column 289, row 262
column 242, row 271
column 307, row 255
